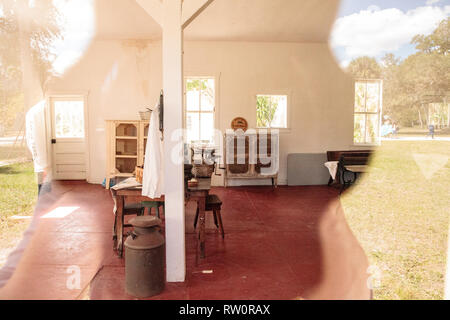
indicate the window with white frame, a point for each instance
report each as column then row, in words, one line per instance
column 68, row 118
column 368, row 106
column 199, row 109
column 271, row 111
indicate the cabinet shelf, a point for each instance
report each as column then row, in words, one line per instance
column 126, row 156
column 126, row 141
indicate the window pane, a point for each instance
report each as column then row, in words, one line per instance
column 372, row 128
column 200, row 104
column 193, row 100
column 360, row 128
column 280, row 117
column 360, row 96
column 206, row 126
column 192, row 126
column 373, row 96
column 69, row 119
column 271, row 111
column 207, row 94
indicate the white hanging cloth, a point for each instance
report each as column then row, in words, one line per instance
column 153, row 179
column 36, row 139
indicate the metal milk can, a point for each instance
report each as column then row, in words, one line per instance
column 144, row 258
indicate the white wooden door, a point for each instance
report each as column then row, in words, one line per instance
column 68, row 138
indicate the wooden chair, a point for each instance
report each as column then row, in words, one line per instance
column 213, row 204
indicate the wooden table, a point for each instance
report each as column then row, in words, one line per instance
column 133, row 195
column 199, row 194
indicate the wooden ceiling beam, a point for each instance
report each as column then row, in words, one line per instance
column 154, row 9
column 192, row 9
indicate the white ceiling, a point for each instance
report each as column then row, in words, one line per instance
column 228, row 20
column 265, row 20
column 124, row 19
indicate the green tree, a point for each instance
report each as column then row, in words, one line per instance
column 265, row 112
column 437, row 42
column 393, row 102
column 364, row 68
column 200, row 84
column 425, row 80
column 30, row 24
column 411, row 86
column 424, row 76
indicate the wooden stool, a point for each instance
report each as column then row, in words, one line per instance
column 153, row 204
column 214, row 204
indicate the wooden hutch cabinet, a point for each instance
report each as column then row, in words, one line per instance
column 126, row 145
column 252, row 155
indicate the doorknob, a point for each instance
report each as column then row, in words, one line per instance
column 53, row 141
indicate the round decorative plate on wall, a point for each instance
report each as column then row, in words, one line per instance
column 239, row 123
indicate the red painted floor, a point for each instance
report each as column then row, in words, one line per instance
column 284, row 243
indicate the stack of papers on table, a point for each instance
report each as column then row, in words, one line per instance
column 127, row 184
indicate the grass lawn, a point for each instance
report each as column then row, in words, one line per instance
column 17, row 197
column 422, row 132
column 400, row 214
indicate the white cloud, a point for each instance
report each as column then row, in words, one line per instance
column 373, row 31
column 373, row 8
column 431, row 2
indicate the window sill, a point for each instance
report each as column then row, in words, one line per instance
column 366, row 144
column 281, row 130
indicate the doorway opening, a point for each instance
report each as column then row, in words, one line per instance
column 68, row 138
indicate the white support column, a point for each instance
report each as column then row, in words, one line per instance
column 172, row 47
column 169, row 14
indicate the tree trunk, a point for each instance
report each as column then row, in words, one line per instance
column 448, row 112
column 420, row 118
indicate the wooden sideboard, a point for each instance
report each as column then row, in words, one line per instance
column 252, row 155
column 125, row 147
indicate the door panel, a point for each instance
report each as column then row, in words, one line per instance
column 64, row 158
column 69, row 147
column 68, row 138
column 71, row 168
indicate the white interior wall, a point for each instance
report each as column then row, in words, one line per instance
column 320, row 94
column 124, row 76
column 119, row 76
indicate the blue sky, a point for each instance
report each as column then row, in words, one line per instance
column 377, row 27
